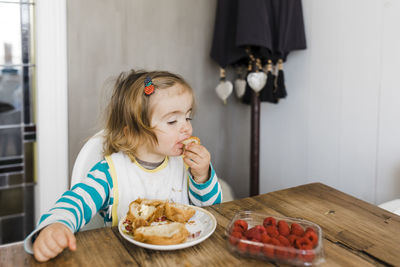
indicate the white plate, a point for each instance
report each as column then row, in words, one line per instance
column 200, row 227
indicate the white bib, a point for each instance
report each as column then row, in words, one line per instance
column 131, row 181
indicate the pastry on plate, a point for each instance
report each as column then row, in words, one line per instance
column 158, row 222
column 143, row 212
column 162, row 234
column 178, row 213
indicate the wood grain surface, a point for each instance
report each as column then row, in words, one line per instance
column 355, row 233
column 98, row 247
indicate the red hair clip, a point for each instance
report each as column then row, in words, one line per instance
column 148, row 86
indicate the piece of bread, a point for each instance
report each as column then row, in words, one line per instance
column 162, row 234
column 178, row 212
column 158, row 222
column 143, row 212
column 192, row 139
column 150, row 202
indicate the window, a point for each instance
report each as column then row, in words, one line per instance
column 17, row 125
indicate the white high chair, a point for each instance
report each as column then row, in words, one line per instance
column 392, row 206
column 90, row 154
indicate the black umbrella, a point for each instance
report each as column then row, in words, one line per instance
column 269, row 30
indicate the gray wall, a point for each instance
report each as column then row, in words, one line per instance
column 340, row 123
column 107, row 37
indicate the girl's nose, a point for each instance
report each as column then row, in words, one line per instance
column 187, row 128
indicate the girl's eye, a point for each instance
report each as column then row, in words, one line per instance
column 189, row 119
column 171, row 122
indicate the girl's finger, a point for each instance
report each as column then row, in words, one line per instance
column 189, row 162
column 202, row 152
column 71, row 240
column 53, row 245
column 39, row 256
column 46, row 252
column 37, row 253
column 195, row 148
column 192, row 156
column 61, row 239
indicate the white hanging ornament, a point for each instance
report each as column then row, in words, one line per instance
column 240, row 87
column 257, row 80
column 224, row 90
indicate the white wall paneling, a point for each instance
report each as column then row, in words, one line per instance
column 339, row 124
column 388, row 172
column 51, row 103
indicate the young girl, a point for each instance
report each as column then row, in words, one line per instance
column 148, row 118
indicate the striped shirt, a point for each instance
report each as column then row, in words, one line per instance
column 94, row 194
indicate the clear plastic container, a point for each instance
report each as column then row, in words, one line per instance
column 256, row 245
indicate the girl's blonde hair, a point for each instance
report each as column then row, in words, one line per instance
column 128, row 115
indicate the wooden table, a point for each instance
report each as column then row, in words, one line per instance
column 356, row 233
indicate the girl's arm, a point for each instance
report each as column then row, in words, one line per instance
column 204, row 189
column 207, row 193
column 77, row 206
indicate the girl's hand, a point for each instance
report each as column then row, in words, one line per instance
column 198, row 159
column 52, row 240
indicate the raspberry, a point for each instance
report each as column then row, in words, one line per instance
column 265, row 238
column 238, row 229
column 268, row 251
column 307, row 256
column 235, row 237
column 241, row 223
column 302, row 243
column 254, row 248
column 283, row 240
column 312, row 236
column 272, row 231
column 307, row 247
column 308, row 229
column 281, row 253
column 253, row 234
column 296, row 229
column 242, row 246
column 292, row 253
column 260, row 228
column 274, row 241
column 292, row 239
column 269, row 221
column 283, row 228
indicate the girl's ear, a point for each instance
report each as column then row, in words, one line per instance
column 126, row 130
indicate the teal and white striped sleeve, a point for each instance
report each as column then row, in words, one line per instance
column 78, row 205
column 206, row 194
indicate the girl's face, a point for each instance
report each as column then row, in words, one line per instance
column 171, row 118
